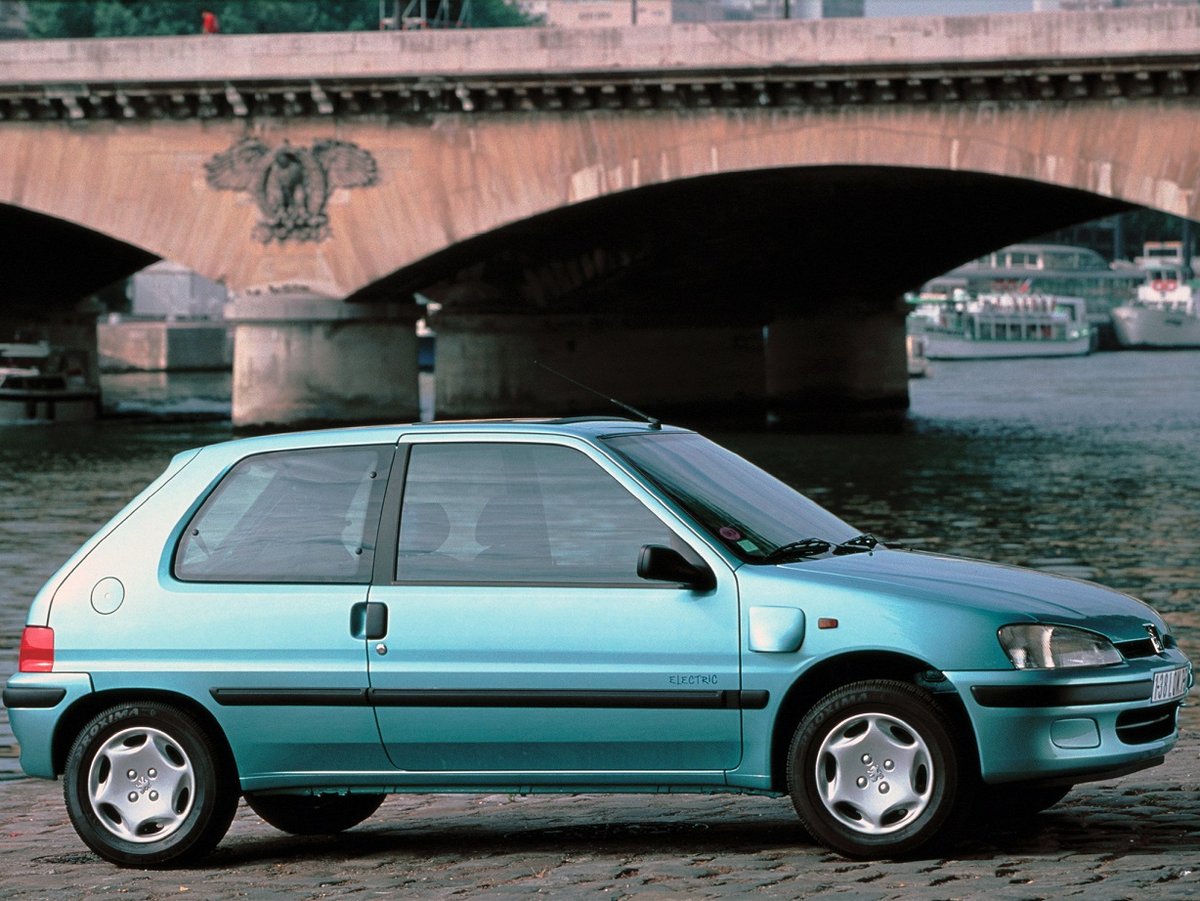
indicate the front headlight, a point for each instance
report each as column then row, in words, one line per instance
column 1037, row 646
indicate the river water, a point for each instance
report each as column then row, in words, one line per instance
column 1088, row 467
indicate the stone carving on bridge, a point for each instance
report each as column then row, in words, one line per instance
column 291, row 185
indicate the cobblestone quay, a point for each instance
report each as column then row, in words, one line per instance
column 1136, row 837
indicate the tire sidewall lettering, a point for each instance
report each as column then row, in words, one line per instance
column 114, row 717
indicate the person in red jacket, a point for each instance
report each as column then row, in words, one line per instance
column 209, row 23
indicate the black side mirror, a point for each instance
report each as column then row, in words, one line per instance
column 664, row 564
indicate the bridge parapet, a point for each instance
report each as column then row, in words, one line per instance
column 1132, row 53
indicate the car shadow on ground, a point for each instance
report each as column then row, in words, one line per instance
column 480, row 840
column 1119, row 826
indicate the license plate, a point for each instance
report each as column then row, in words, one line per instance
column 1171, row 684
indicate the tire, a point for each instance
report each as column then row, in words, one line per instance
column 314, row 814
column 875, row 770
column 145, row 786
column 1017, row 800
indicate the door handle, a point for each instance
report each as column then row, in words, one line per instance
column 369, row 620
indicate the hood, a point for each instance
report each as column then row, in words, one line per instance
column 1008, row 591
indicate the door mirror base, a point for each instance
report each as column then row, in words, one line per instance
column 664, row 564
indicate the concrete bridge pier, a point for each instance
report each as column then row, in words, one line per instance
column 690, row 372
column 302, row 358
column 845, row 367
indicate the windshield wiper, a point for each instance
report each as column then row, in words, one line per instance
column 857, row 545
column 805, row 547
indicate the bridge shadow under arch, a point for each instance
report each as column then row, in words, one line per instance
column 745, row 245
column 50, row 262
column 741, row 245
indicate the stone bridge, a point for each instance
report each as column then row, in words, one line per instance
column 703, row 220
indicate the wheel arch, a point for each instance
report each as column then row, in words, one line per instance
column 75, row 718
column 844, row 669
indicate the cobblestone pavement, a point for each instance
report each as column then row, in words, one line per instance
column 1136, row 837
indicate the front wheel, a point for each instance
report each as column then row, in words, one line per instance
column 314, row 814
column 874, row 769
column 146, row 786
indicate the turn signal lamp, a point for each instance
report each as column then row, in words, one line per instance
column 37, row 649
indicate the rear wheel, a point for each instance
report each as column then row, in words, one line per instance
column 874, row 769
column 146, row 786
column 314, row 814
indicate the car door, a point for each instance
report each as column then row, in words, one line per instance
column 270, row 583
column 519, row 637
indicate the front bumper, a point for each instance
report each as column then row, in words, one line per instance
column 1070, row 725
column 36, row 703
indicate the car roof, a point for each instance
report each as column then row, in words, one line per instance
column 586, row 427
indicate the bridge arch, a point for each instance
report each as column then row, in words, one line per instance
column 764, row 239
column 456, row 177
column 755, row 193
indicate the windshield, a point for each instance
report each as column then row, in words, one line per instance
column 750, row 512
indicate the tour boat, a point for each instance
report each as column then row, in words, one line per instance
column 29, row 390
column 1001, row 326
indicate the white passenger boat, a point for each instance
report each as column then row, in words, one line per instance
column 29, row 390
column 1048, row 269
column 1163, row 313
column 1001, row 326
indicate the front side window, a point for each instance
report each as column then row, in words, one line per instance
column 525, row 513
column 289, row 516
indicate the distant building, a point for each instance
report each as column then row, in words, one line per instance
column 602, row 13
column 167, row 290
column 1096, row 5
column 1037, row 268
column 14, row 19
column 744, row 10
column 176, row 322
column 598, row 13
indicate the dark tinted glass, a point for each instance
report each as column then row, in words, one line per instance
column 525, row 513
column 751, row 512
column 292, row 516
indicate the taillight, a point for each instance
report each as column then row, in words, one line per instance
column 37, row 649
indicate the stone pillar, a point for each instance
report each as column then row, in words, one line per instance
column 843, row 368
column 678, row 373
column 301, row 359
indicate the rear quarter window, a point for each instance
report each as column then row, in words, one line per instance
column 289, row 516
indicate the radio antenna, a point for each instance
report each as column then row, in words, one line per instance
column 650, row 420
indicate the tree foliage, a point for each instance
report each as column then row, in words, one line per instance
column 128, row 18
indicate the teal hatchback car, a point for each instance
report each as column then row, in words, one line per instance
column 316, row 620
